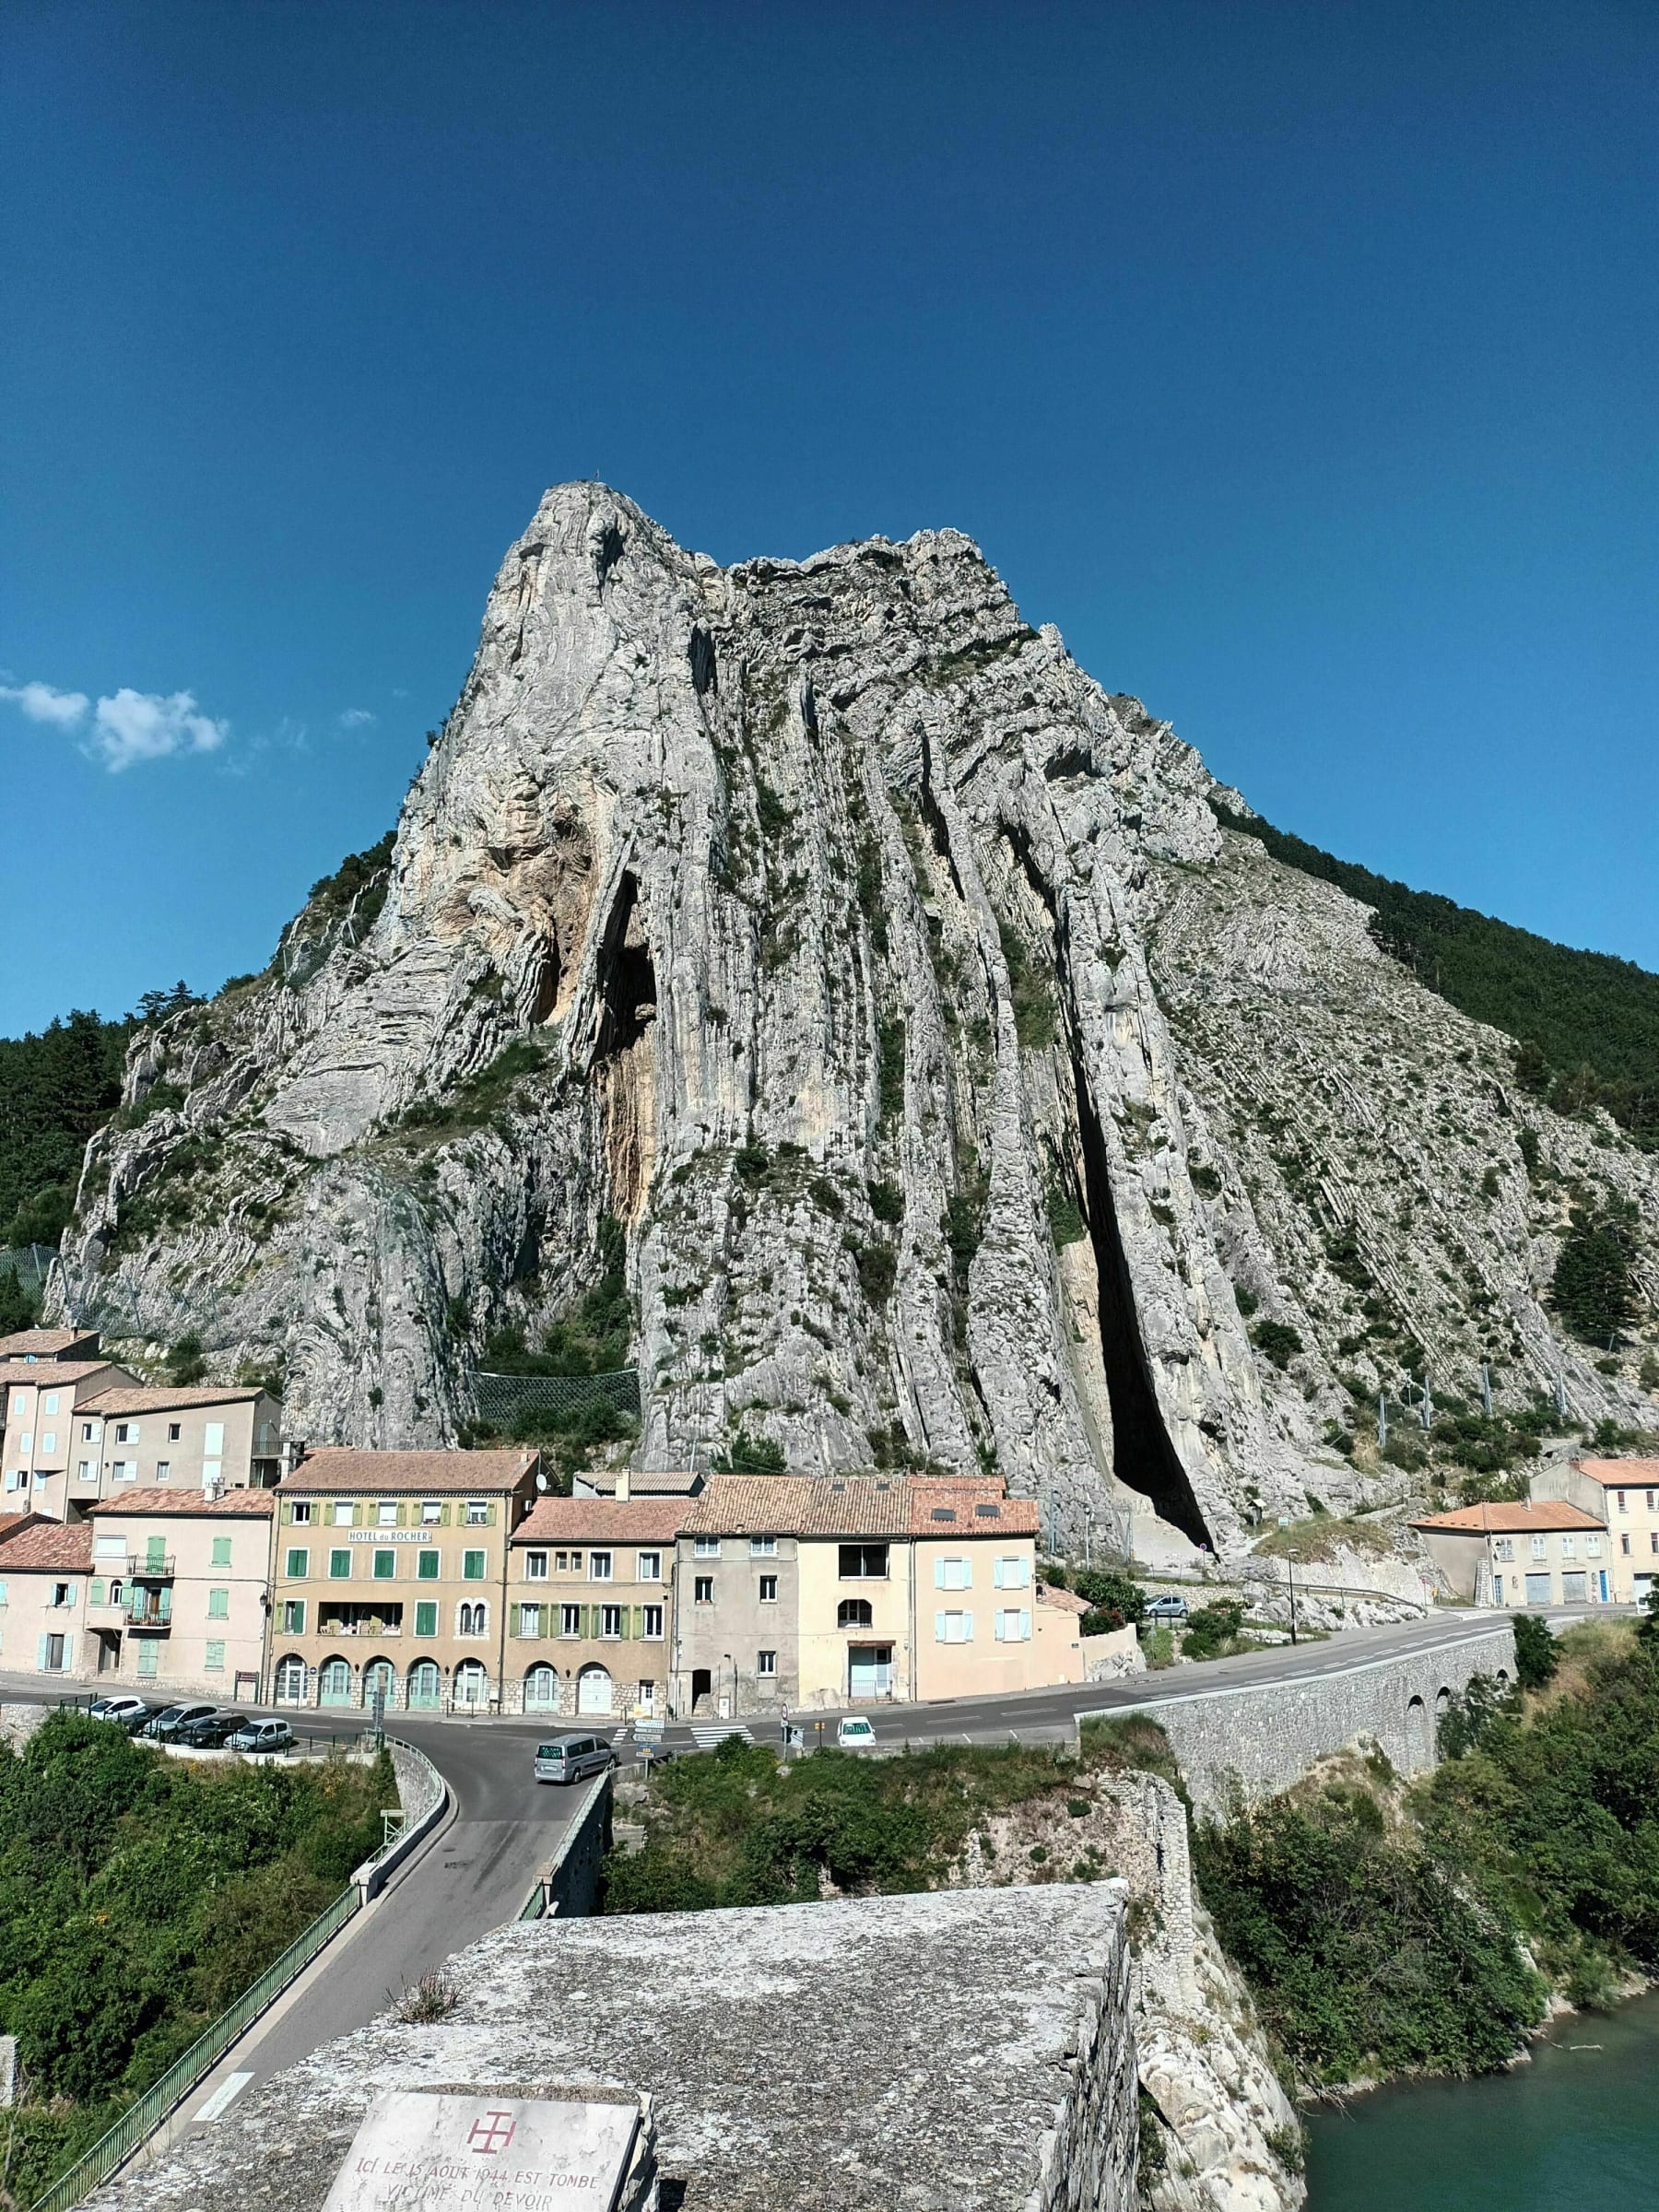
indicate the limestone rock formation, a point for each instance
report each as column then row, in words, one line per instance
column 946, row 1062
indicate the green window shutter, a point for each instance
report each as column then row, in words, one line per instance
column 299, row 1565
column 357, row 1511
column 489, row 1514
column 155, row 1551
column 97, row 1590
column 426, row 1617
column 403, row 1515
column 215, row 1660
column 339, row 1566
column 445, row 1521
column 386, row 1565
column 472, row 1567
column 221, row 1551
column 219, row 1605
column 584, row 1621
column 427, row 1571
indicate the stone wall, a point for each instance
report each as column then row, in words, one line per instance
column 572, row 1879
column 872, row 2054
column 1268, row 1734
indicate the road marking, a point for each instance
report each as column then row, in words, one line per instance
column 228, row 2090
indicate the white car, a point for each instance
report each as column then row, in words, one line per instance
column 118, row 1709
column 854, row 1733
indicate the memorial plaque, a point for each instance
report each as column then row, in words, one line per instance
column 426, row 2151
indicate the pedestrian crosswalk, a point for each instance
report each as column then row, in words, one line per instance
column 705, row 1734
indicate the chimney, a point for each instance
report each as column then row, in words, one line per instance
column 621, row 1485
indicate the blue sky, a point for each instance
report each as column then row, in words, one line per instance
column 1298, row 360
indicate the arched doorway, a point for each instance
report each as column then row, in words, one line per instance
column 333, row 1682
column 291, row 1681
column 593, row 1690
column 541, row 1689
column 425, row 1686
column 379, row 1678
column 470, row 1689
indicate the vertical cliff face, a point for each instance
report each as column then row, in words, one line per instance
column 819, row 921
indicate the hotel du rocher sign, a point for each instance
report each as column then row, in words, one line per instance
column 422, row 2151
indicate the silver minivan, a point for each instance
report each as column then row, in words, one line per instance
column 571, row 1758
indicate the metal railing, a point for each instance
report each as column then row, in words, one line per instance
column 146, row 2112
column 158, row 1568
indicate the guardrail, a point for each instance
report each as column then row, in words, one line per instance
column 146, row 2112
column 544, row 1896
column 370, row 1877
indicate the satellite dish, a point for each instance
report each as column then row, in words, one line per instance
column 541, row 1482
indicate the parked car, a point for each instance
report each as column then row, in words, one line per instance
column 1171, row 1606
column 142, row 1713
column 123, row 1711
column 854, row 1733
column 571, row 1758
column 172, row 1718
column 209, row 1734
column 260, row 1736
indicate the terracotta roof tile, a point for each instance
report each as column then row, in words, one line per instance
column 47, row 1344
column 47, row 1547
column 52, row 1375
column 1066, row 1601
column 245, row 1504
column 1534, row 1519
column 138, row 1397
column 341, row 1472
column 601, row 1520
column 1621, row 1473
column 856, row 1505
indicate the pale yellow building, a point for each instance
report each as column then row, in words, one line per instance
column 180, row 1591
column 44, row 1572
column 42, row 1398
column 591, row 1591
column 1624, row 1495
column 1541, row 1552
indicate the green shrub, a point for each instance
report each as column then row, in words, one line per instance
column 1538, row 1655
column 747, row 1455
column 1066, row 1224
column 887, row 1201
column 1211, row 1628
column 1277, row 1341
column 1033, row 1001
column 185, row 1362
column 1593, row 1285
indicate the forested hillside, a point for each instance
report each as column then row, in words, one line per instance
column 58, row 1087
column 1587, row 1023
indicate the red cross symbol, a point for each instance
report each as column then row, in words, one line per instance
column 492, row 2133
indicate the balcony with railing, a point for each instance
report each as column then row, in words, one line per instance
column 153, row 1566
column 149, row 1611
column 339, row 1617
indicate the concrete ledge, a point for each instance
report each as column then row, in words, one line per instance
column 419, row 1821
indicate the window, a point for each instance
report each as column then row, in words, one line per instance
column 221, row 1551
column 599, row 1565
column 20, row 1404
column 1624, row 1503
column 652, row 1628
column 293, row 1617
column 864, row 1562
column 26, row 1441
column 163, row 1470
column 213, row 1661
column 1569, row 1548
column 1624, row 1546
column 173, row 1433
column 953, row 1628
column 84, row 1473
column 62, row 1593
column 610, row 1621
column 426, row 1566
column 706, row 1547
column 703, row 1589
column 471, row 1566
column 1012, row 1573
column 530, row 1620
column 431, row 1511
column 339, row 1566
column 126, row 1432
column 385, row 1513
column 765, row 1663
column 1503, row 1549
column 49, row 1403
column 108, row 1547
column 570, row 1620
column 472, row 1619
column 343, row 1513
column 854, row 1612
column 86, row 1432
column 426, row 1617
column 535, row 1566
column 1652, row 1495
column 950, row 1574
column 301, row 1513
column 298, row 1565
column 1592, row 1548
column 769, row 1589
column 386, row 1565
column 1013, row 1626
column 763, row 1547
column 125, row 1470
column 219, row 1605
column 649, row 1567
column 478, row 1512
column 2, row 1594
column 48, row 1442
column 1538, row 1548
column 1653, row 1541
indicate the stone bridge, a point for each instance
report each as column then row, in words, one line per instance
column 1266, row 1734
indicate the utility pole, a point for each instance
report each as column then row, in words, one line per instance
column 1381, row 1420
column 1291, row 1572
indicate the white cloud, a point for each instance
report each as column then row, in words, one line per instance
column 42, row 702
column 356, row 718
column 142, row 725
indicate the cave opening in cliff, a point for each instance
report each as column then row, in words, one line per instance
column 627, row 979
column 1142, row 1455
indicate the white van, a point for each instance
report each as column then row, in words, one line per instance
column 572, row 1757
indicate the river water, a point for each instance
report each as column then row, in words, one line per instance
column 1576, row 2131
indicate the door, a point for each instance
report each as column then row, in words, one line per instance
column 378, row 1681
column 593, row 1690
column 702, row 1685
column 1537, row 1588
column 291, row 1681
column 541, row 1689
column 426, row 1687
column 472, row 1685
column 869, row 1670
column 1601, row 1585
column 334, row 1682
column 1573, row 1589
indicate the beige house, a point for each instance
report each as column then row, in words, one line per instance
column 590, row 1603
column 820, row 1591
column 45, row 1569
column 42, row 1398
column 1623, row 1494
column 49, row 1344
column 391, row 1578
column 1545, row 1552
column 180, row 1591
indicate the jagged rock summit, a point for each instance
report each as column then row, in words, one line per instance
column 895, row 989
